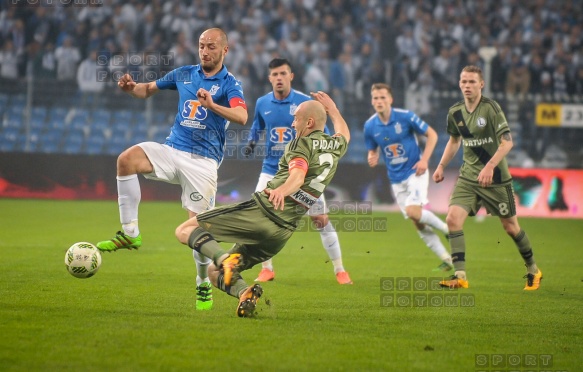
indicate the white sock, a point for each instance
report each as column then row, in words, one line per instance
column 434, row 243
column 332, row 246
column 267, row 265
column 129, row 196
column 428, row 218
column 202, row 264
column 461, row 274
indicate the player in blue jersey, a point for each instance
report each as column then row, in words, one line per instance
column 393, row 131
column 274, row 114
column 209, row 99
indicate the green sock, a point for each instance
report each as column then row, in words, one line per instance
column 457, row 242
column 525, row 249
column 203, row 242
column 237, row 286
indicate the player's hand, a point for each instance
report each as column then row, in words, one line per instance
column 420, row 167
column 126, row 83
column 205, row 98
column 248, row 150
column 438, row 174
column 325, row 100
column 373, row 159
column 276, row 198
column 486, row 175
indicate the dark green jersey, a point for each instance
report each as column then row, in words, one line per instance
column 322, row 153
column 480, row 131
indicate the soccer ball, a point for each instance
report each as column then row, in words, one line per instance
column 83, row 260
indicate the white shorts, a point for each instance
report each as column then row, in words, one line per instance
column 412, row 191
column 317, row 209
column 196, row 175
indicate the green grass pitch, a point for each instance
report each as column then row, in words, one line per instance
column 137, row 313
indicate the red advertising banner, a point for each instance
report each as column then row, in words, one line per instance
column 556, row 193
column 551, row 193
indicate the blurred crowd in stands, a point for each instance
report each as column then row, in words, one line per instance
column 340, row 46
column 334, row 45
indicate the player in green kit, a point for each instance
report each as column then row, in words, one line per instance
column 261, row 226
column 478, row 124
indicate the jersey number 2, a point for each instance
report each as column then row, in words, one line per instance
column 316, row 183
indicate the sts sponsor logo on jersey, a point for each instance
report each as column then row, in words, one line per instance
column 193, row 113
column 395, row 153
column 280, row 136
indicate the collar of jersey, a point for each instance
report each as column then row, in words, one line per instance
column 219, row 75
column 285, row 100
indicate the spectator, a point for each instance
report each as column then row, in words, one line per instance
column 518, row 80
column 536, row 69
column 315, row 80
column 67, row 57
column 560, row 82
column 500, row 65
column 577, row 83
column 90, row 81
column 8, row 61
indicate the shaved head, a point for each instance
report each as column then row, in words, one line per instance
column 215, row 34
column 316, row 111
column 309, row 116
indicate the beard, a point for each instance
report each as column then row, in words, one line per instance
column 209, row 66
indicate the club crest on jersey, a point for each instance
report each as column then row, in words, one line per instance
column 281, row 135
column 481, row 122
column 398, row 128
column 292, row 108
column 214, row 90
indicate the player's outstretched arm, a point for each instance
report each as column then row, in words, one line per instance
column 137, row 90
column 340, row 126
column 451, row 148
column 423, row 163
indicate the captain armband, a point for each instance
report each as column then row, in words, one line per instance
column 298, row 163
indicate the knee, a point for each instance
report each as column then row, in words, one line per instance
column 128, row 161
column 124, row 159
column 184, row 230
column 320, row 220
column 512, row 230
column 413, row 212
column 452, row 223
column 181, row 234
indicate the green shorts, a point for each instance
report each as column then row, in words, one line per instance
column 257, row 237
column 498, row 199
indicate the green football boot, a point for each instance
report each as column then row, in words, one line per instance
column 120, row 241
column 204, row 296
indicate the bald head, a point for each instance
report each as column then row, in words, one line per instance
column 215, row 35
column 316, row 111
column 309, row 116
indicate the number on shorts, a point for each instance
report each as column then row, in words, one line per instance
column 503, row 209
